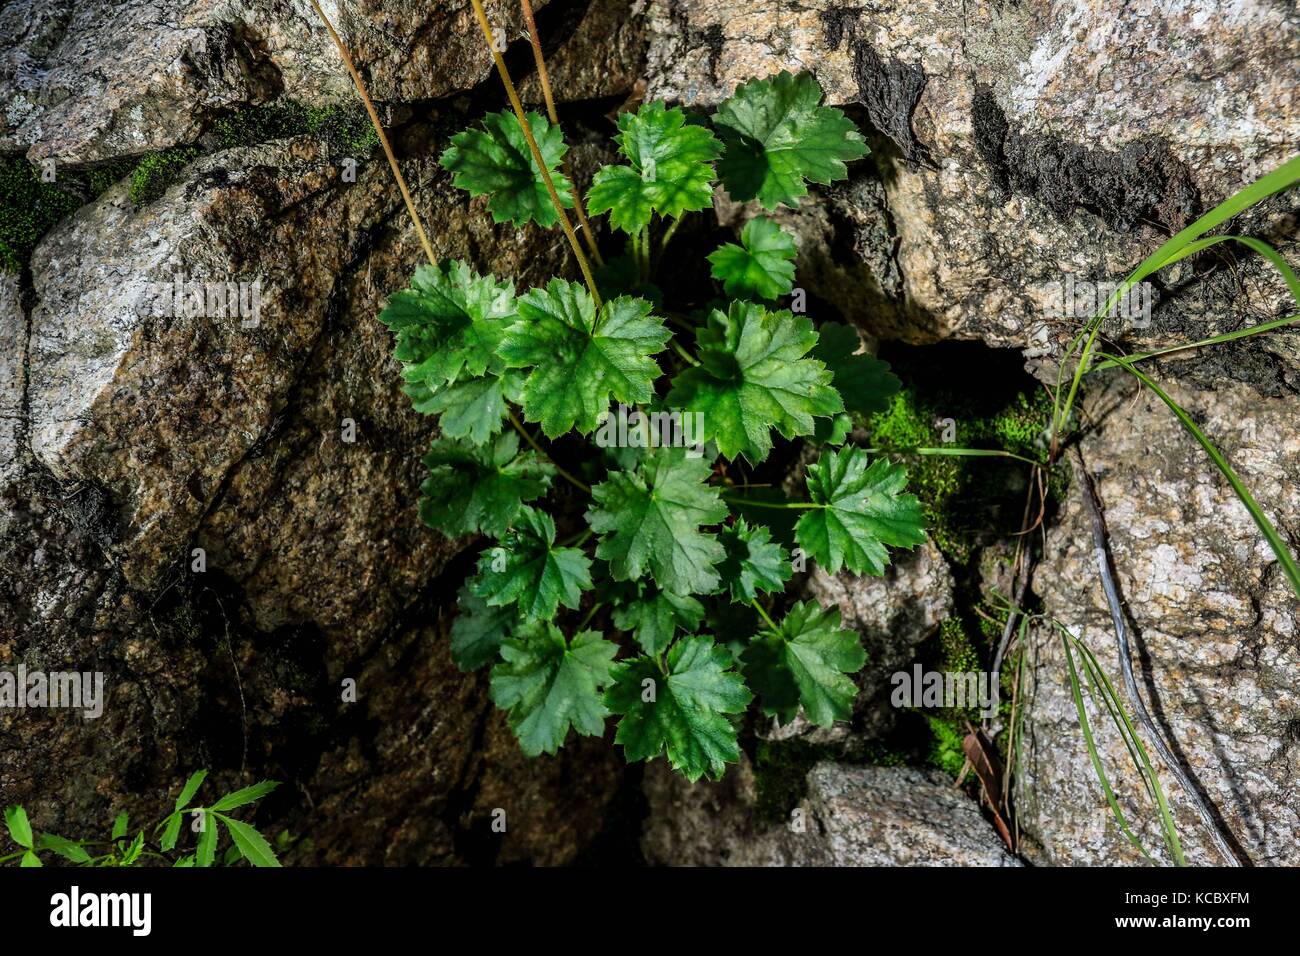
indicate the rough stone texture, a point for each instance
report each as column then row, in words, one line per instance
column 1217, row 645
column 1014, row 145
column 131, row 438
column 602, row 53
column 851, row 816
column 1018, row 143
column 150, row 434
column 83, row 81
column 13, row 328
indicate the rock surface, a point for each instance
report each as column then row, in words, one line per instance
column 84, row 81
column 851, row 816
column 1215, row 624
column 1018, row 147
column 1017, row 144
column 282, row 447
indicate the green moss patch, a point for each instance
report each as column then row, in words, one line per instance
column 965, row 400
column 29, row 206
column 157, row 171
column 347, row 130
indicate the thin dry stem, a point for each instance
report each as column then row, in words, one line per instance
column 545, row 78
column 481, row 15
column 379, row 131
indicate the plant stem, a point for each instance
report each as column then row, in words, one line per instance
column 799, row 505
column 379, row 131
column 579, row 539
column 527, row 130
column 683, row 353
column 590, row 614
column 759, row 608
column 956, row 453
column 545, row 79
column 643, row 257
column 679, row 321
column 668, row 235
column 519, row 427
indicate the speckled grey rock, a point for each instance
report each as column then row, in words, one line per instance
column 83, row 81
column 152, row 435
column 1215, row 623
column 851, row 816
column 13, row 328
column 1017, row 144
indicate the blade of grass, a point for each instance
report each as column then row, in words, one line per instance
column 1101, row 550
column 1280, row 549
column 1134, row 745
column 1250, row 242
column 1077, row 692
column 1214, row 340
column 1281, row 178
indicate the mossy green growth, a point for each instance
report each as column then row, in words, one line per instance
column 28, row 207
column 780, row 775
column 157, row 171
column 347, row 130
column 946, row 752
column 958, row 650
column 955, row 491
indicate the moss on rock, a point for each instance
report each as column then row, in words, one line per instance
column 956, row 492
column 29, row 206
column 157, row 171
column 347, row 130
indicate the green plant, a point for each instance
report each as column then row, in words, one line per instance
column 28, row 207
column 121, row 850
column 1103, row 692
column 656, row 429
column 157, row 171
column 1188, row 242
column 344, row 130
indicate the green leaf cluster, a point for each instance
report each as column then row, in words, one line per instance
column 205, row 822
column 610, row 543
